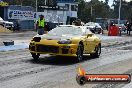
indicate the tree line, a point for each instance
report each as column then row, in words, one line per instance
column 98, row 9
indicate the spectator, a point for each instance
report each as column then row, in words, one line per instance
column 113, row 30
column 129, row 25
column 41, row 25
column 16, row 26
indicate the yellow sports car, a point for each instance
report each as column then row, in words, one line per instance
column 66, row 40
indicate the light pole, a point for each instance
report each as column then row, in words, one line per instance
column 45, row 2
column 36, row 6
column 35, row 18
column 91, row 8
column 119, row 13
column 63, row 15
column 91, row 12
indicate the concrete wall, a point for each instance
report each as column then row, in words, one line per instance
column 24, row 24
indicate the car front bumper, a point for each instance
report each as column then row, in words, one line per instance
column 60, row 49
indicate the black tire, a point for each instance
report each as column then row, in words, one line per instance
column 35, row 56
column 97, row 52
column 80, row 52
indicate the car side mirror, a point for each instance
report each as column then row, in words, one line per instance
column 89, row 35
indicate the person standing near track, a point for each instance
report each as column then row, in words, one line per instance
column 129, row 27
column 41, row 25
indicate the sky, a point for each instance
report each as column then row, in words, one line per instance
column 110, row 1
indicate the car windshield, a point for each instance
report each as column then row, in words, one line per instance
column 66, row 30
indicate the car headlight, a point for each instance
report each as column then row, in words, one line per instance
column 36, row 39
column 65, row 42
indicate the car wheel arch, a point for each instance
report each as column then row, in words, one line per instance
column 81, row 42
column 80, row 49
column 99, row 44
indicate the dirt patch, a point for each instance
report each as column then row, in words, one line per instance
column 126, row 48
column 4, row 30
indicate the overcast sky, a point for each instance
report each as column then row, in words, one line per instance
column 110, row 1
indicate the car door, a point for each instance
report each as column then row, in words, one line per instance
column 89, row 43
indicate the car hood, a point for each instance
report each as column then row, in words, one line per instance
column 57, row 37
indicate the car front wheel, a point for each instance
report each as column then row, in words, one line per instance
column 35, row 56
column 80, row 52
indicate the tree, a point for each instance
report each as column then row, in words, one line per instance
column 22, row 2
column 81, row 9
column 106, row 2
column 88, row 11
column 126, row 9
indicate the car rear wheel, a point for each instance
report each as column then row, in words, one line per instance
column 80, row 52
column 35, row 56
column 97, row 52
